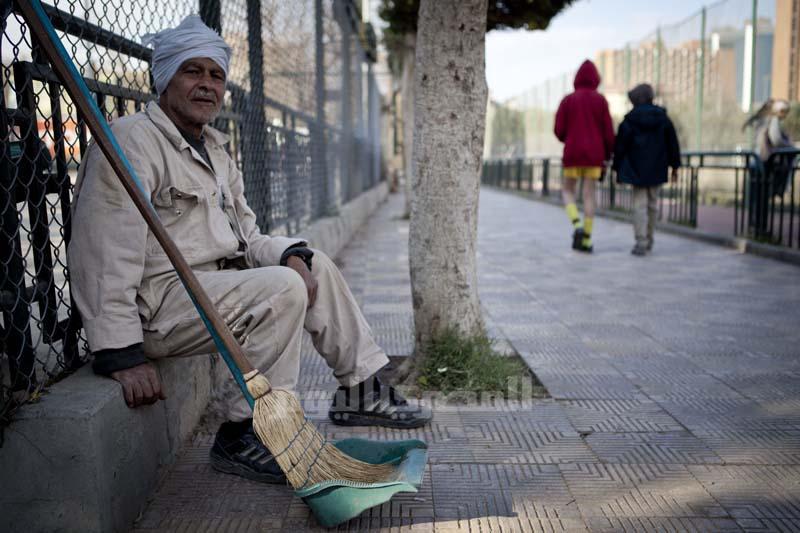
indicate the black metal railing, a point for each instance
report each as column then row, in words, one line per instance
column 302, row 110
column 726, row 193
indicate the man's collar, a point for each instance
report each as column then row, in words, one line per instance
column 211, row 136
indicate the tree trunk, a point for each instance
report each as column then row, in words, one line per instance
column 407, row 97
column 449, row 125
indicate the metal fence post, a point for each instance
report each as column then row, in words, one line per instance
column 657, row 61
column 371, row 134
column 329, row 202
column 612, row 193
column 254, row 128
column 753, row 45
column 345, row 153
column 628, row 66
column 211, row 14
column 15, row 335
column 700, row 84
column 545, row 177
column 530, row 175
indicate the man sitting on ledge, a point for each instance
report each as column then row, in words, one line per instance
column 267, row 289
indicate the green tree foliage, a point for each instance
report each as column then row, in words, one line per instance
column 401, row 15
column 401, row 18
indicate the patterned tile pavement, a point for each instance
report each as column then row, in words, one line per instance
column 674, row 382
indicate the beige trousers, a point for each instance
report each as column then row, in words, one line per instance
column 645, row 211
column 266, row 309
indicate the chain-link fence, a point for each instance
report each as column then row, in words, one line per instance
column 523, row 126
column 710, row 70
column 302, row 110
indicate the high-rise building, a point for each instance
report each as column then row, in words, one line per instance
column 786, row 50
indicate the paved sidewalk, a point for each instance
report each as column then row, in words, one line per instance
column 675, row 383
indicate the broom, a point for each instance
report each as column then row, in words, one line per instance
column 299, row 448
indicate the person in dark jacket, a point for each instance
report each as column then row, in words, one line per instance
column 646, row 146
column 584, row 125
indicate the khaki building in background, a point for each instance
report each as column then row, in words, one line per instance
column 786, row 52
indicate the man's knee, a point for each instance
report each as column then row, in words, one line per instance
column 321, row 262
column 295, row 292
column 281, row 286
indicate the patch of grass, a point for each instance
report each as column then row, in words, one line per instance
column 456, row 365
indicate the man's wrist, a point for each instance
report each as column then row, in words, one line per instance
column 115, row 359
column 295, row 261
column 297, row 251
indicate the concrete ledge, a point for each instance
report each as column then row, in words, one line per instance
column 81, row 460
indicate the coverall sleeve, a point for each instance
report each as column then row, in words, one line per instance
column 107, row 250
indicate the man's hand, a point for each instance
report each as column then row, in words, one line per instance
column 674, row 176
column 140, row 385
column 298, row 265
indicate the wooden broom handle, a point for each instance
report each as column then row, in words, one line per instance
column 102, row 135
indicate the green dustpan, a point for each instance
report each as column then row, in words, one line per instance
column 334, row 502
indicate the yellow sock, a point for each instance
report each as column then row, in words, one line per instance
column 588, row 224
column 572, row 213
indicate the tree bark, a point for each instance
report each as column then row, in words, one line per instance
column 449, row 124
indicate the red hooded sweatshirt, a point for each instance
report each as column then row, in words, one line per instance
column 583, row 122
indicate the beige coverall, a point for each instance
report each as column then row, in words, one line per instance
column 127, row 291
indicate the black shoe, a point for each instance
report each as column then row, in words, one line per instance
column 577, row 238
column 374, row 404
column 639, row 250
column 578, row 241
column 238, row 451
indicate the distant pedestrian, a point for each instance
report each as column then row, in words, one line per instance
column 646, row 146
column 770, row 137
column 770, row 134
column 584, row 125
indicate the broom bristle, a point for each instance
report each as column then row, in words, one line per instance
column 300, row 449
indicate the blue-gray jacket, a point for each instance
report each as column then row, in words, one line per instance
column 646, row 145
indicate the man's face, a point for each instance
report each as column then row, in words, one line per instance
column 193, row 97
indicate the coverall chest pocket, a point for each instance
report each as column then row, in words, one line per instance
column 177, row 200
column 178, row 208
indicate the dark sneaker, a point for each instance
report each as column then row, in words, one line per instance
column 581, row 241
column 639, row 250
column 238, row 451
column 649, row 246
column 374, row 404
column 577, row 238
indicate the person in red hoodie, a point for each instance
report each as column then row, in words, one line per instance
column 584, row 125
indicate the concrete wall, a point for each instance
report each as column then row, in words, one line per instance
column 80, row 460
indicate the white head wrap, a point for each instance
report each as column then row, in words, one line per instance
column 189, row 40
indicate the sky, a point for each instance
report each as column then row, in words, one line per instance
column 517, row 60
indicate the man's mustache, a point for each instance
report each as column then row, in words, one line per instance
column 206, row 95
